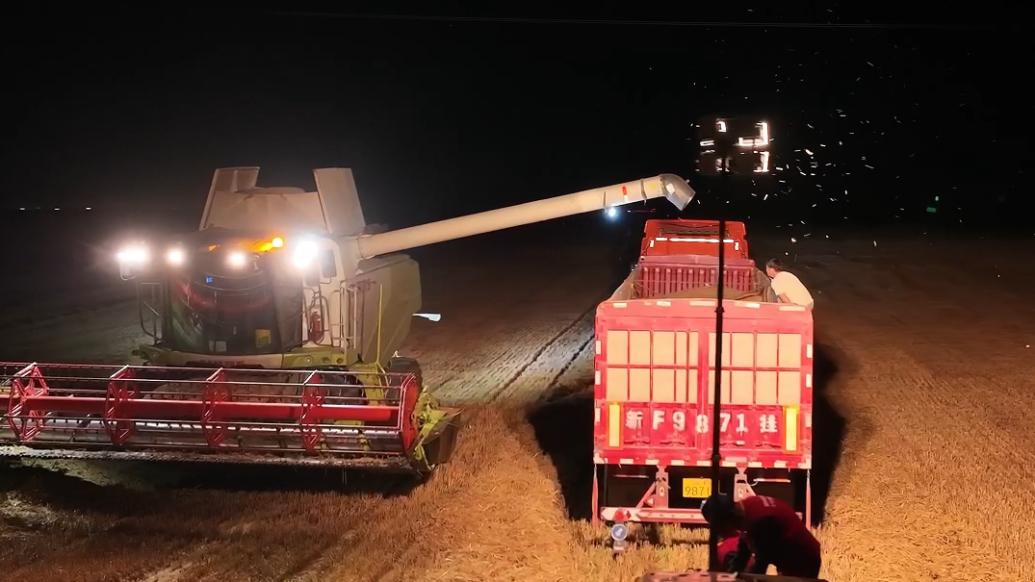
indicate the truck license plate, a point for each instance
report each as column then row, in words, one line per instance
column 697, row 488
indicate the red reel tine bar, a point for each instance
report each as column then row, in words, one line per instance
column 276, row 416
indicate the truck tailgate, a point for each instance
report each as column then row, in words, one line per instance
column 654, row 383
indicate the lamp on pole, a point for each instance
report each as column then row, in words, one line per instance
column 730, row 147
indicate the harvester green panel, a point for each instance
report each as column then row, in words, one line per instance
column 389, row 293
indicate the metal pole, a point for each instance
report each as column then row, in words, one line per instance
column 713, row 534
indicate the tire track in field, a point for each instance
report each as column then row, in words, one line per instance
column 541, row 372
column 515, row 320
column 569, row 366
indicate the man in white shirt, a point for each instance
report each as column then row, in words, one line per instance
column 787, row 287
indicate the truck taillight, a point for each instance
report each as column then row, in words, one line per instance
column 790, row 418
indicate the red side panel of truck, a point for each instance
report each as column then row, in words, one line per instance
column 692, row 237
column 661, row 275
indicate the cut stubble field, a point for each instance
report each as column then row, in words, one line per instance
column 924, row 455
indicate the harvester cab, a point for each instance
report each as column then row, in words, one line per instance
column 269, row 281
column 272, row 333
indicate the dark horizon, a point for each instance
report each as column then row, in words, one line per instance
column 905, row 118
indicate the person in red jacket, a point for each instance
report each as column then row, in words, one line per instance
column 771, row 531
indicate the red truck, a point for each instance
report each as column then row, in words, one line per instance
column 654, row 386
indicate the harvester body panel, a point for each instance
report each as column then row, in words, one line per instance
column 352, row 304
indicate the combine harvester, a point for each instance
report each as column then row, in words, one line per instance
column 273, row 332
column 654, row 384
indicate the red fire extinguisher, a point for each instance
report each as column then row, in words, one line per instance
column 315, row 326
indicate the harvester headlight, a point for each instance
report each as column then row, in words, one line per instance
column 265, row 246
column 237, row 259
column 304, row 254
column 611, row 212
column 175, row 256
column 135, row 255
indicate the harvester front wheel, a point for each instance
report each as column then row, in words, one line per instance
column 399, row 365
column 436, row 426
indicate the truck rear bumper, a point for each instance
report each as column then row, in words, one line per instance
column 674, row 494
column 651, row 515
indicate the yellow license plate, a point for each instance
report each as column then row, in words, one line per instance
column 697, row 488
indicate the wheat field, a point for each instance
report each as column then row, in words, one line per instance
column 925, row 462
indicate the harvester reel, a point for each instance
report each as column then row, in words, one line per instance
column 344, row 418
column 437, row 427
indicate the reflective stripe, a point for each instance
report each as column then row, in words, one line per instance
column 704, row 240
column 614, row 425
column 791, row 424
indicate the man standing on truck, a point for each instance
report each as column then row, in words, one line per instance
column 787, row 287
column 770, row 530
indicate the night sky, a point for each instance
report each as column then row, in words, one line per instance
column 919, row 118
